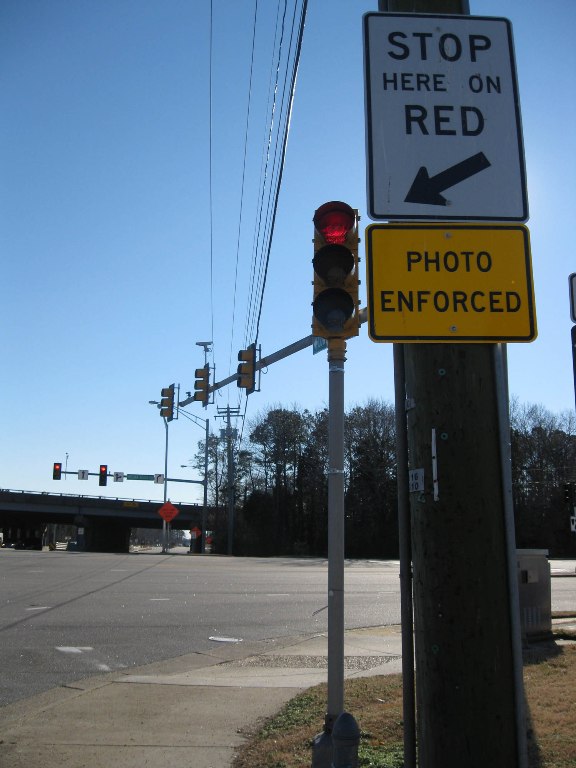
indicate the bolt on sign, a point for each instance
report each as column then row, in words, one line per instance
column 449, row 283
column 443, row 130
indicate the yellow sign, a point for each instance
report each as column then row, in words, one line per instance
column 449, row 283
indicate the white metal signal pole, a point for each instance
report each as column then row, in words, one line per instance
column 323, row 747
column 336, row 359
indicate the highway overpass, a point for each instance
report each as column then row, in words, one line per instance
column 106, row 522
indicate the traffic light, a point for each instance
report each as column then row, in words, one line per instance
column 569, row 493
column 103, row 474
column 167, row 402
column 57, row 471
column 201, row 385
column 335, row 304
column 247, row 369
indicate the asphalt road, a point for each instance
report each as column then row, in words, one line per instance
column 67, row 615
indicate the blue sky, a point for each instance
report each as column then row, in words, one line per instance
column 120, row 250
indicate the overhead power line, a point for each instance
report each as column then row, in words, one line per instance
column 286, row 47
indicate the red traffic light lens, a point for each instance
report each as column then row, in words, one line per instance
column 334, row 220
column 57, row 467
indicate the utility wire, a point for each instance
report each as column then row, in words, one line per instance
column 263, row 176
column 265, row 231
column 264, row 172
column 243, row 181
column 272, row 166
column 292, row 90
column 211, row 204
column 282, row 159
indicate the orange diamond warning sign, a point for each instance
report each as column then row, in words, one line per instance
column 168, row 511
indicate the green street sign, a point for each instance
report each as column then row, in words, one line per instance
column 319, row 344
column 139, row 477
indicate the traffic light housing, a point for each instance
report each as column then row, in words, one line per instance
column 103, row 474
column 201, row 385
column 335, row 306
column 167, row 403
column 247, row 369
column 569, row 493
column 57, row 471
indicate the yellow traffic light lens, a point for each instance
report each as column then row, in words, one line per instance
column 333, row 264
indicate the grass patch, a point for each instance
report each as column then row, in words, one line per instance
column 285, row 740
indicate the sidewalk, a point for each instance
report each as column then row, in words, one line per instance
column 187, row 712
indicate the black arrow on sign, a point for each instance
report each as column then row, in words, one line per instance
column 426, row 189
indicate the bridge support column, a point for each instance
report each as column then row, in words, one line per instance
column 106, row 536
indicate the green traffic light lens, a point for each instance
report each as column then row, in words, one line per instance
column 333, row 308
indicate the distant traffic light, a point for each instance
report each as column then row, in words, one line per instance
column 336, row 279
column 569, row 493
column 167, row 403
column 201, row 385
column 247, row 369
column 103, row 474
column 57, row 471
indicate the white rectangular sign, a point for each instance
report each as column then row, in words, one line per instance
column 416, row 480
column 443, row 131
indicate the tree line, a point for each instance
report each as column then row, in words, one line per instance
column 281, row 489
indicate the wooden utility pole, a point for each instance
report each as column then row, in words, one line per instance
column 469, row 700
column 227, row 413
column 466, row 698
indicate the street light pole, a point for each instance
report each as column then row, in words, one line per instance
column 204, row 482
column 205, row 502
column 164, row 524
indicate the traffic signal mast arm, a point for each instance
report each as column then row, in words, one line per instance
column 265, row 362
